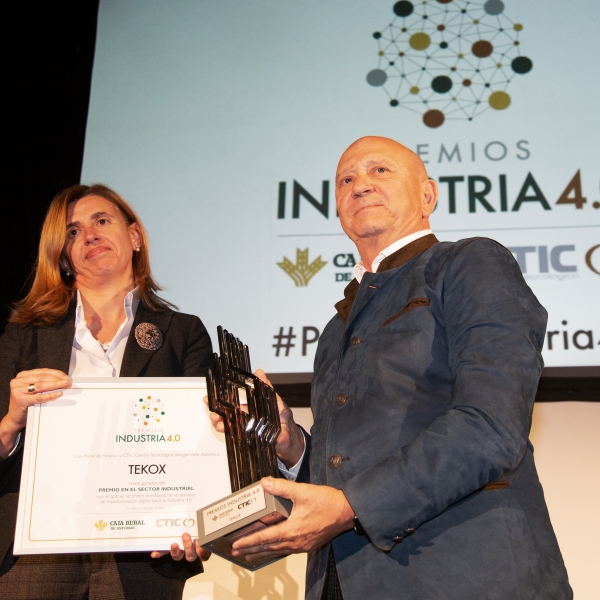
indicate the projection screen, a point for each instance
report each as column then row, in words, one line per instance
column 222, row 123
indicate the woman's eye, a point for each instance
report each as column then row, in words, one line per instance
column 102, row 221
column 381, row 169
column 72, row 232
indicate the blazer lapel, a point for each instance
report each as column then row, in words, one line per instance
column 371, row 282
column 55, row 342
column 136, row 357
column 402, row 256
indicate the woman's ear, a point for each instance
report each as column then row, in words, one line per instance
column 136, row 236
column 65, row 265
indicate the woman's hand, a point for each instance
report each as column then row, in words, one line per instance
column 25, row 391
column 190, row 550
column 290, row 443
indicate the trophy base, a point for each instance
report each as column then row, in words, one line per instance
column 246, row 511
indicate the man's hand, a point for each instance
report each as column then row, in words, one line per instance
column 319, row 514
column 191, row 551
column 290, row 443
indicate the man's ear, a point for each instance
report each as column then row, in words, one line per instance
column 430, row 196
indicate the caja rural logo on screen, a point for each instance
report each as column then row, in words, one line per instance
column 302, row 271
column 448, row 59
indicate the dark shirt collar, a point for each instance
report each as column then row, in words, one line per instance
column 397, row 259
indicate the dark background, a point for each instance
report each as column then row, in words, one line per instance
column 48, row 51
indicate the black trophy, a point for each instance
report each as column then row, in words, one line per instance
column 250, row 415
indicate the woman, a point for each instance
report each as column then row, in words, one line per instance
column 93, row 310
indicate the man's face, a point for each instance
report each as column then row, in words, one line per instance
column 380, row 188
column 99, row 243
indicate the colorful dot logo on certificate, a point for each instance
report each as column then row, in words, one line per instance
column 150, row 412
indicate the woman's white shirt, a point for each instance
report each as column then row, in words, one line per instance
column 88, row 357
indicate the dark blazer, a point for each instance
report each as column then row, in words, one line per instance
column 422, row 399
column 186, row 351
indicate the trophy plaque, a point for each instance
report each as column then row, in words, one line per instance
column 250, row 415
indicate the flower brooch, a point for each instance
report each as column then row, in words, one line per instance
column 148, row 336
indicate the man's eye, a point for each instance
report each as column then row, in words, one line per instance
column 102, row 221
column 381, row 169
column 346, row 180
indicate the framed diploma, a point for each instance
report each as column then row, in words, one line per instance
column 117, row 465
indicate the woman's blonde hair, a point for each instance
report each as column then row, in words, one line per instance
column 53, row 289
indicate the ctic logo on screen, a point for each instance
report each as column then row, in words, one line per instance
column 554, row 262
column 448, row 60
column 588, row 259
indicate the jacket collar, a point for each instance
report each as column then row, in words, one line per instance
column 55, row 341
column 397, row 259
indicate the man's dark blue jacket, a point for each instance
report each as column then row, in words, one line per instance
column 422, row 399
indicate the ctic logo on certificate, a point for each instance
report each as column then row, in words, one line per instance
column 251, row 419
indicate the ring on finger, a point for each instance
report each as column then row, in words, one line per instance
column 31, row 388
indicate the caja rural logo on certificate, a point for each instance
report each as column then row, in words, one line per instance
column 448, row 59
column 100, row 525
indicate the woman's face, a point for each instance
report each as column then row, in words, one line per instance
column 99, row 243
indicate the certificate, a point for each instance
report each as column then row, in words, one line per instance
column 118, row 464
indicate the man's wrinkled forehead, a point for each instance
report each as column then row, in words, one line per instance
column 385, row 151
column 350, row 163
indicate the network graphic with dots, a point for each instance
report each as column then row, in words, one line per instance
column 148, row 411
column 449, row 59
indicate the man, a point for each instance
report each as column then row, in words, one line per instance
column 423, row 484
